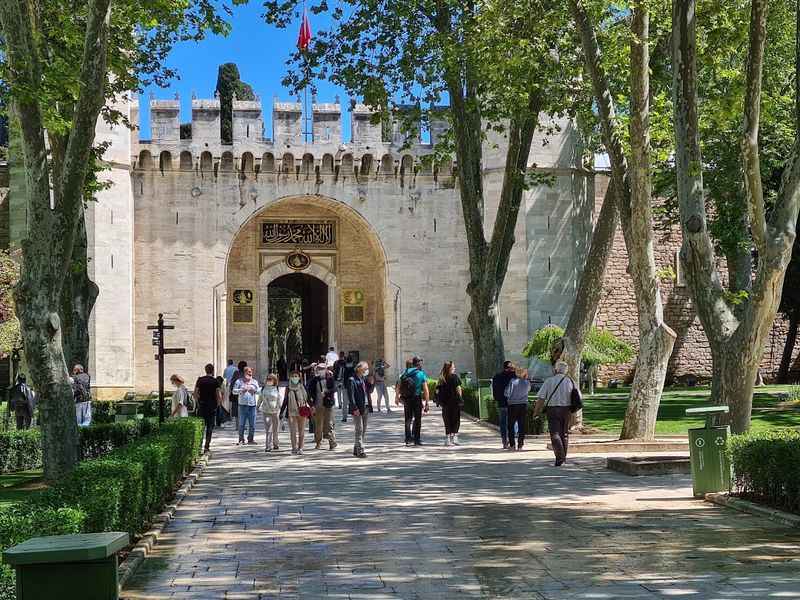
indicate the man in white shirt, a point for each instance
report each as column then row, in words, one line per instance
column 555, row 398
column 331, row 357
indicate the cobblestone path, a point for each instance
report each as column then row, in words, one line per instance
column 468, row 522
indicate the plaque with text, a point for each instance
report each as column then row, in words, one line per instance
column 295, row 234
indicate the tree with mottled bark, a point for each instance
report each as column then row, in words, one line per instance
column 498, row 65
column 65, row 63
column 736, row 324
column 631, row 186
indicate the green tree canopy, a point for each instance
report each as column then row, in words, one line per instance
column 230, row 84
column 601, row 348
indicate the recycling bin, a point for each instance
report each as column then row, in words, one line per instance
column 711, row 469
column 79, row 567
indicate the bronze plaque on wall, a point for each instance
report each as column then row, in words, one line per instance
column 243, row 306
column 294, row 234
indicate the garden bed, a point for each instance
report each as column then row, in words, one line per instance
column 119, row 491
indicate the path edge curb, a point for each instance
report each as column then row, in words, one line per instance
column 773, row 514
column 145, row 545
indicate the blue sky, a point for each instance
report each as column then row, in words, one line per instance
column 259, row 51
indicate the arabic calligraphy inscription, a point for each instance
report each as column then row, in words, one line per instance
column 317, row 234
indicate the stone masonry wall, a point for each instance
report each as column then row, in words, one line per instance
column 617, row 311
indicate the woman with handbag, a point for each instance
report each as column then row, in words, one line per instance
column 297, row 407
column 558, row 396
column 449, row 396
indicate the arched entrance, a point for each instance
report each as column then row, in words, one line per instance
column 298, row 317
column 313, row 260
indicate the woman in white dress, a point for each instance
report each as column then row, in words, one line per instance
column 180, row 397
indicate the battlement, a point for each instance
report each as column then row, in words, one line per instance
column 287, row 124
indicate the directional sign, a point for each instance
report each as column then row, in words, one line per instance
column 174, row 350
column 162, row 327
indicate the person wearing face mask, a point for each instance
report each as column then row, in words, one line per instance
column 245, row 389
column 296, row 406
column 269, row 405
column 323, row 389
column 359, row 391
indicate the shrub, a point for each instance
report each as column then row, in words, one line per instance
column 20, row 522
column 766, row 467
column 20, row 450
column 98, row 440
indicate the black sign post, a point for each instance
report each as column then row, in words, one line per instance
column 158, row 340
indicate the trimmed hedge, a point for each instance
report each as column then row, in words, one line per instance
column 766, row 467
column 117, row 492
column 22, row 450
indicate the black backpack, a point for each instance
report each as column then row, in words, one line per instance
column 80, row 391
column 380, row 371
column 408, row 384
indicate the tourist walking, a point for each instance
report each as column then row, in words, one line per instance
column 338, row 375
column 82, row 393
column 208, row 396
column 379, row 374
column 360, row 406
column 555, row 396
column 412, row 389
column 245, row 389
column 331, row 357
column 234, row 399
column 499, row 384
column 269, row 404
column 449, row 396
column 323, row 391
column 349, row 373
column 297, row 408
column 227, row 374
column 181, row 399
column 517, row 398
column 22, row 402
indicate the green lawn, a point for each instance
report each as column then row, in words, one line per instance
column 15, row 486
column 606, row 409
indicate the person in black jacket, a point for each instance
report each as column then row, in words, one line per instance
column 359, row 391
column 499, row 383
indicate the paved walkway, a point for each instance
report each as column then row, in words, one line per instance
column 437, row 523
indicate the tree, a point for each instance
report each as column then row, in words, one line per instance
column 601, row 347
column 499, row 66
column 65, row 64
column 736, row 321
column 285, row 324
column 230, row 85
column 631, row 185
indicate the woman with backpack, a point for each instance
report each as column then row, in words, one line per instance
column 517, row 396
column 449, row 396
column 296, row 406
column 182, row 403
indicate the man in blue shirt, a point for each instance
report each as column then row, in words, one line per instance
column 412, row 390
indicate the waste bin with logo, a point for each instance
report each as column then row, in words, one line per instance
column 79, row 567
column 711, row 469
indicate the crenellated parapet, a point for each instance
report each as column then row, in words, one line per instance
column 294, row 149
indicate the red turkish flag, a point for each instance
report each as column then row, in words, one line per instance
column 304, row 37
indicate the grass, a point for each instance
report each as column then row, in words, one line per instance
column 15, row 486
column 605, row 409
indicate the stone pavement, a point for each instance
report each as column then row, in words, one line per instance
column 436, row 523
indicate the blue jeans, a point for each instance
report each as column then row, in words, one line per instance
column 502, row 411
column 247, row 414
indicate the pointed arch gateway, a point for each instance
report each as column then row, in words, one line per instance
column 298, row 246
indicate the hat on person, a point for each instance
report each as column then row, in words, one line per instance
column 177, row 378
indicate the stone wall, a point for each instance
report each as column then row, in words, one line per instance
column 617, row 312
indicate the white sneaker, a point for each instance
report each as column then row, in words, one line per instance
column 300, row 452
column 455, row 439
column 447, row 440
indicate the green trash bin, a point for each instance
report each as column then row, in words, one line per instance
column 711, row 469
column 68, row 567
